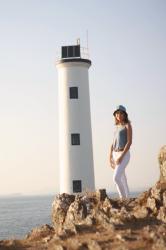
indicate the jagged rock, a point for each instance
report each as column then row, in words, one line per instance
column 60, row 207
column 160, row 238
column 155, row 197
column 161, row 185
column 87, row 203
column 142, row 199
column 101, row 194
column 58, row 247
column 76, row 214
column 107, row 206
column 162, row 214
column 75, row 244
column 125, row 215
column 93, row 245
column 77, row 210
column 159, row 244
column 156, row 192
column 140, row 212
column 162, row 162
column 151, row 203
column 164, row 199
column 119, row 237
column 40, row 232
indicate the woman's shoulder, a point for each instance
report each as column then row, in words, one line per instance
column 128, row 125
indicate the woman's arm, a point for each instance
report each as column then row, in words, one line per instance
column 111, row 152
column 111, row 160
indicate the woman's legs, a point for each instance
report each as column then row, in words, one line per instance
column 119, row 174
column 124, row 180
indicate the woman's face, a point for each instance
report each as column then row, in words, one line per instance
column 119, row 115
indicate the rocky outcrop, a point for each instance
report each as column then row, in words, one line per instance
column 154, row 200
column 97, row 208
column 91, row 209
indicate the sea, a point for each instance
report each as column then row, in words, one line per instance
column 20, row 214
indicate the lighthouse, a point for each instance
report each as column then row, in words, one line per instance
column 75, row 134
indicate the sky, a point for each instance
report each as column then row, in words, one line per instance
column 127, row 47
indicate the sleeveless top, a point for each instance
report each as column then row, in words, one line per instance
column 120, row 137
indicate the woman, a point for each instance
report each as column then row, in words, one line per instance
column 120, row 155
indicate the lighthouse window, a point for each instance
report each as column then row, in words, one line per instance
column 71, row 51
column 77, row 186
column 75, row 139
column 73, row 92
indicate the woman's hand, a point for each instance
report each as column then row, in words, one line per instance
column 112, row 163
column 118, row 161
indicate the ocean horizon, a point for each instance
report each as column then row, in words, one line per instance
column 19, row 214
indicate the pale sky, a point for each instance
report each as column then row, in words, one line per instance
column 127, row 45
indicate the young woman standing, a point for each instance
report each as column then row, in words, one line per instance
column 120, row 154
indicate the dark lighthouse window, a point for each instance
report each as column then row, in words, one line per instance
column 77, row 186
column 73, row 92
column 75, row 139
column 71, row 51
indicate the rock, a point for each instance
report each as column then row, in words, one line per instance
column 161, row 185
column 119, row 237
column 77, row 210
column 162, row 163
column 156, row 192
column 101, row 194
column 60, row 207
column 57, row 247
column 162, row 214
column 140, row 212
column 75, row 244
column 164, row 199
column 90, row 220
column 93, row 245
column 87, row 203
column 107, row 206
column 151, row 203
column 10, row 245
column 159, row 244
column 40, row 232
column 142, row 199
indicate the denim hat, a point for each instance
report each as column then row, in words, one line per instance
column 120, row 108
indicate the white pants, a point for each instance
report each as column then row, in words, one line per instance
column 119, row 176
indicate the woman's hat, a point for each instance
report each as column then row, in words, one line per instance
column 120, row 108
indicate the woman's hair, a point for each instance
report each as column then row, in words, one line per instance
column 126, row 120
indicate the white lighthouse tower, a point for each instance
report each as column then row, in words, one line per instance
column 75, row 136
